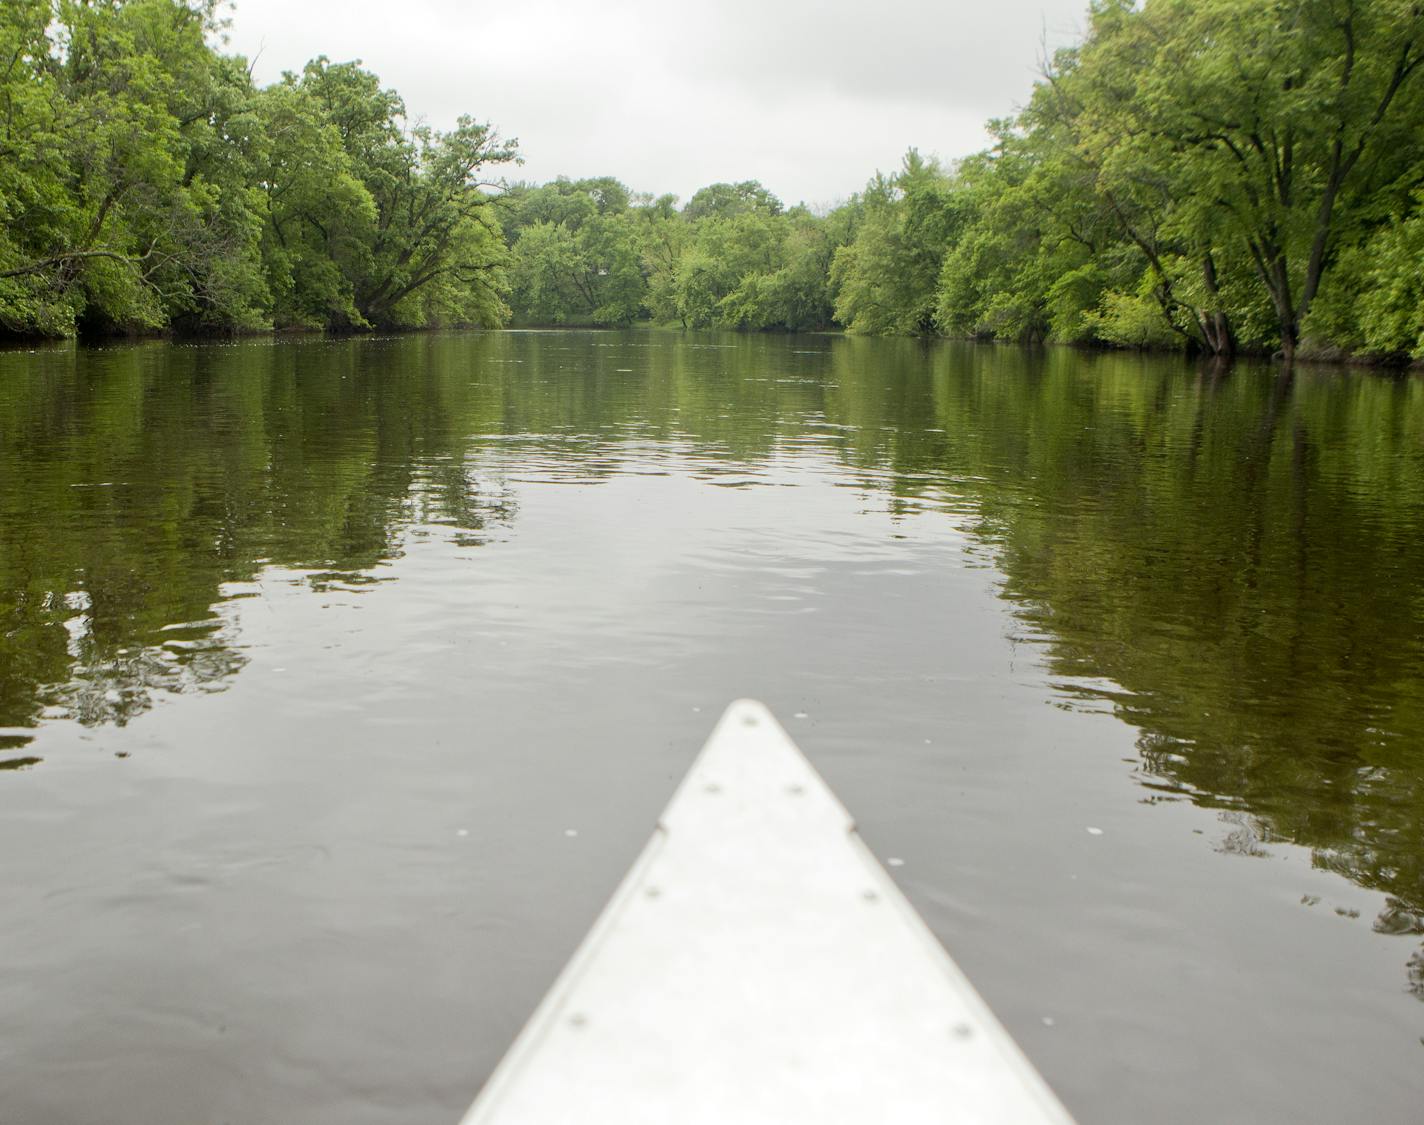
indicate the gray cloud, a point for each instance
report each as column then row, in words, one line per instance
column 808, row 97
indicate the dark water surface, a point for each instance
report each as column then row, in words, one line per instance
column 340, row 681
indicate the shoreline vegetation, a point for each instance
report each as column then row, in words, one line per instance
column 1216, row 177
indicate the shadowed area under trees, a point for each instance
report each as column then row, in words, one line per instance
column 1215, row 177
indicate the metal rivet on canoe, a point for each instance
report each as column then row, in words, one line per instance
column 870, row 896
column 712, row 787
column 962, row 1031
column 578, row 1019
column 652, row 892
column 796, row 790
column 749, row 720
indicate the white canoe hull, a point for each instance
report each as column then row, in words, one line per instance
column 757, row 965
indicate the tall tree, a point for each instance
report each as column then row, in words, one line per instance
column 436, row 250
column 1279, row 119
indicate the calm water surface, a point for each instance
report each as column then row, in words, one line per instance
column 340, row 681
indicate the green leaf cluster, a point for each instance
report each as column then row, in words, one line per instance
column 1207, row 174
column 147, row 184
column 593, row 252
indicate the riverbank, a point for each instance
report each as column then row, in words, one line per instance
column 1306, row 356
column 1101, row 214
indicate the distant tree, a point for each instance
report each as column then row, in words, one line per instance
column 320, row 217
column 576, row 249
column 885, row 277
column 723, row 201
column 793, row 294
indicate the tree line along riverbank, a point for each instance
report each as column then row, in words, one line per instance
column 1206, row 175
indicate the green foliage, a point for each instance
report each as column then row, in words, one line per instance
column 994, row 281
column 319, row 219
column 884, row 278
column 577, row 257
column 793, row 293
column 1375, row 303
column 146, row 184
column 723, row 201
column 592, row 252
column 435, row 254
column 1191, row 175
column 727, row 249
column 1209, row 175
column 1130, row 320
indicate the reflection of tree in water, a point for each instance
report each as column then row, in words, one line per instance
column 135, row 483
column 1397, row 918
column 1415, row 969
column 1228, row 560
column 1242, row 838
column 116, row 687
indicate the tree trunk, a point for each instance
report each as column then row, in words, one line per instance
column 1215, row 324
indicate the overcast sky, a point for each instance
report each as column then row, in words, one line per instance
column 808, row 97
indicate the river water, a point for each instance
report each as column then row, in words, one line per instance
column 341, row 680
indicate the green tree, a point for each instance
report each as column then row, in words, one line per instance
column 320, row 219
column 723, row 201
column 1375, row 302
column 576, row 252
column 723, row 250
column 124, row 128
column 794, row 293
column 145, row 184
column 436, row 254
column 885, row 278
column 1277, row 123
